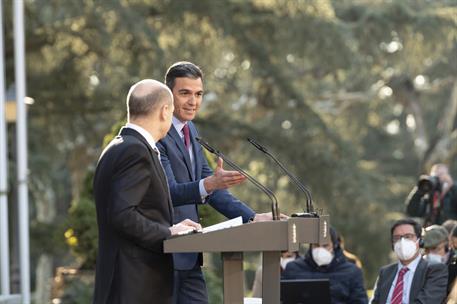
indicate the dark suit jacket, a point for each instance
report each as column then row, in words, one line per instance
column 184, row 187
column 134, row 213
column 428, row 286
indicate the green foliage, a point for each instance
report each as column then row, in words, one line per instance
column 46, row 238
column 309, row 79
column 78, row 291
column 82, row 234
column 213, row 277
column 82, row 230
column 114, row 131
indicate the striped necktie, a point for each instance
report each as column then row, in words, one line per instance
column 397, row 296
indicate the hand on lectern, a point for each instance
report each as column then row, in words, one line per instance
column 268, row 216
column 185, row 226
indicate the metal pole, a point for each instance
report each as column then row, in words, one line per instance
column 4, row 244
column 21, row 135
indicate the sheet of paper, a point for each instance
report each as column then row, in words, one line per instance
column 237, row 221
column 252, row 301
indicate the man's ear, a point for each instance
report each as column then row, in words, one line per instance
column 164, row 111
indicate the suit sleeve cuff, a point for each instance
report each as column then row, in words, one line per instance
column 249, row 218
column 203, row 193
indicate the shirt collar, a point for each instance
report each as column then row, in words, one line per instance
column 178, row 125
column 411, row 266
column 143, row 133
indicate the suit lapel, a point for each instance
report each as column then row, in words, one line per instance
column 390, row 276
column 164, row 182
column 195, row 147
column 182, row 148
column 417, row 279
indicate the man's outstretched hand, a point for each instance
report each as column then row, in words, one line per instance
column 222, row 179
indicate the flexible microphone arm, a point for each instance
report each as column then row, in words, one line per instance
column 303, row 188
column 268, row 192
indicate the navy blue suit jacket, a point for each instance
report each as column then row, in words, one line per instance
column 183, row 181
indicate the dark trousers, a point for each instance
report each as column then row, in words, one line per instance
column 190, row 287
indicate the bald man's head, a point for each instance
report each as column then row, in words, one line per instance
column 145, row 97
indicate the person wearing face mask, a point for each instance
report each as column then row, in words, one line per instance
column 436, row 246
column 328, row 262
column 286, row 258
column 411, row 279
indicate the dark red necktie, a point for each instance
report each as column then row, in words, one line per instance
column 185, row 130
column 397, row 295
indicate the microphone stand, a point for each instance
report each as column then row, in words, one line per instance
column 309, row 212
column 268, row 192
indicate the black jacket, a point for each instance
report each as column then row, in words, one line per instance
column 346, row 280
column 134, row 213
column 418, row 205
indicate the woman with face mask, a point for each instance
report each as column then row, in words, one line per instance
column 328, row 262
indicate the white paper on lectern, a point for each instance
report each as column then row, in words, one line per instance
column 252, row 300
column 237, row 221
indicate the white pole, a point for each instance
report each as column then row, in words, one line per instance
column 21, row 137
column 4, row 244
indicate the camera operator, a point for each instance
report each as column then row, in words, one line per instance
column 434, row 198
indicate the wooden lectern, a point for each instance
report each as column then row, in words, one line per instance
column 270, row 238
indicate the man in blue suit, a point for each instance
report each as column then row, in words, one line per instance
column 191, row 180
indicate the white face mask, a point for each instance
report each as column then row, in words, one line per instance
column 322, row 256
column 285, row 261
column 435, row 258
column 405, row 249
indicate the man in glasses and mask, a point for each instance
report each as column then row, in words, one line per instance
column 328, row 262
column 412, row 279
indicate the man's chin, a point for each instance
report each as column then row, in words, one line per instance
column 185, row 118
column 189, row 117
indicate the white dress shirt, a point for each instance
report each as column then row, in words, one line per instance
column 407, row 280
column 178, row 125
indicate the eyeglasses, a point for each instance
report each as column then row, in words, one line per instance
column 408, row 236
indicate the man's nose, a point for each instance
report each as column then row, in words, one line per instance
column 192, row 100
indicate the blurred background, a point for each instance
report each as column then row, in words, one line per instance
column 357, row 98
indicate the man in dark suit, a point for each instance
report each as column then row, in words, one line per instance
column 412, row 279
column 134, row 211
column 191, row 180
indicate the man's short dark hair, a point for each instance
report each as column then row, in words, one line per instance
column 182, row 69
column 407, row 221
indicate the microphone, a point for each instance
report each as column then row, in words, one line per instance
column 268, row 192
column 309, row 212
